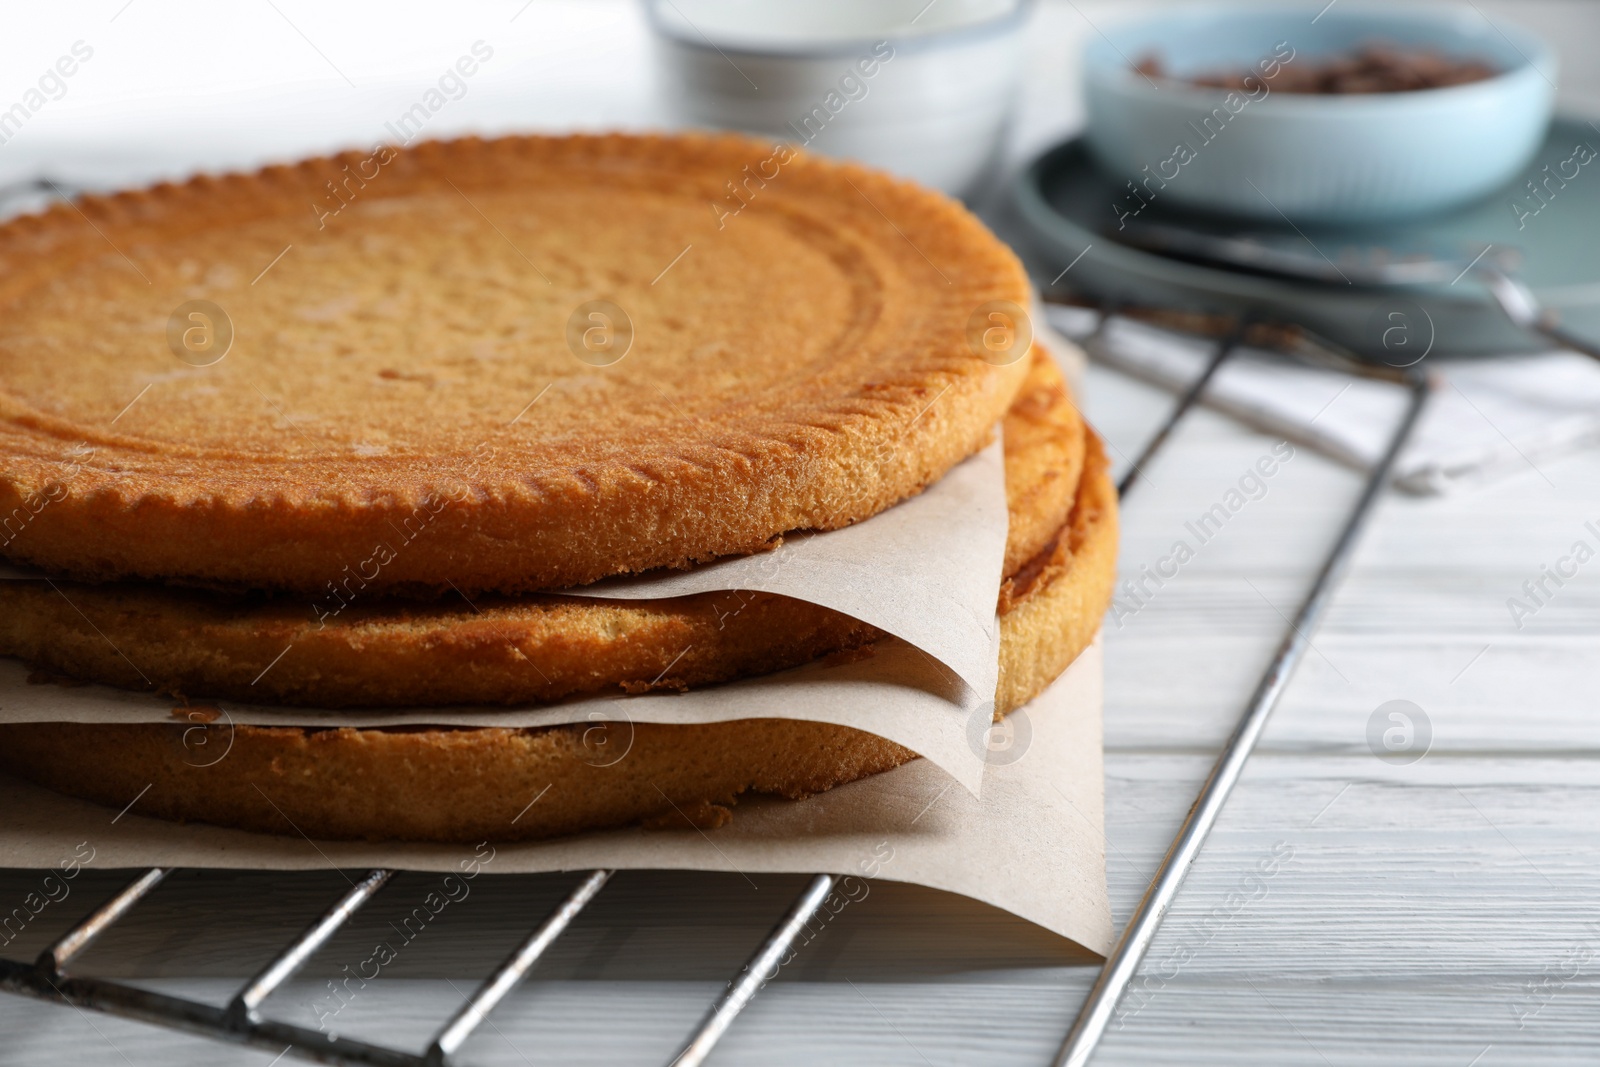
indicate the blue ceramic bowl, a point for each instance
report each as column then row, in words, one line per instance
column 1311, row 158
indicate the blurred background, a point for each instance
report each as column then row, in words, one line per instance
column 175, row 85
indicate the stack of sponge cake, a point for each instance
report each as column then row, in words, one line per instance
column 259, row 449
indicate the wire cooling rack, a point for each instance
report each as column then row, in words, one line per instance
column 242, row 1020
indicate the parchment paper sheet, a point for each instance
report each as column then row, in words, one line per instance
column 898, row 693
column 927, row 570
column 1034, row 844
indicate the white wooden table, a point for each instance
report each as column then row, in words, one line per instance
column 1437, row 913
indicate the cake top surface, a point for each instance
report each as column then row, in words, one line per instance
column 565, row 357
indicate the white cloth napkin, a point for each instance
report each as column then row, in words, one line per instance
column 1489, row 418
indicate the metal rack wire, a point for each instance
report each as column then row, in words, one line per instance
column 242, row 1020
column 1122, row 964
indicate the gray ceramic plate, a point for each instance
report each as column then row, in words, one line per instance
column 1067, row 205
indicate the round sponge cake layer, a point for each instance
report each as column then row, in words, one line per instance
column 507, row 366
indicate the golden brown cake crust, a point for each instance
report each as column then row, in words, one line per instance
column 444, row 785
column 1045, row 440
column 404, row 398
column 1051, row 608
column 384, row 652
column 475, row 784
